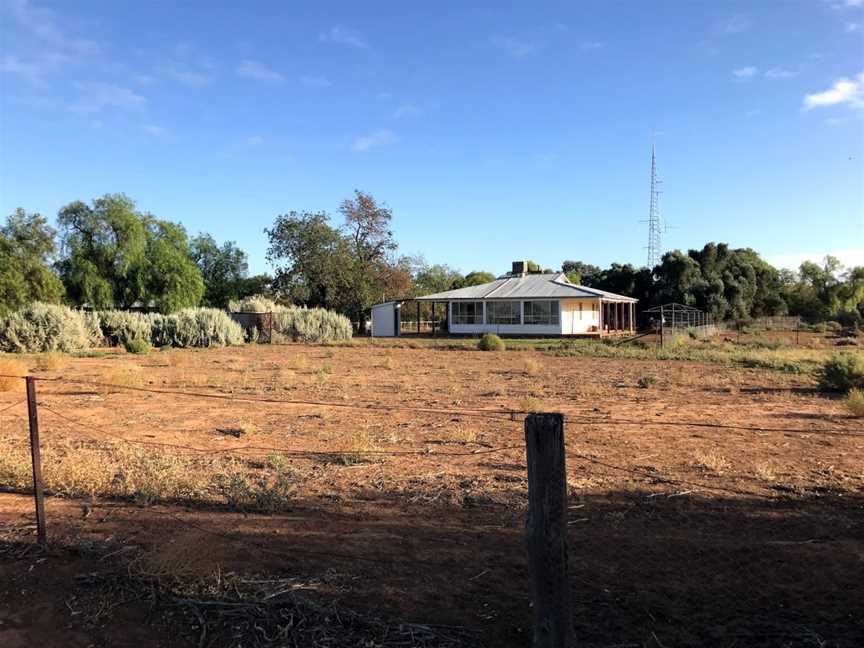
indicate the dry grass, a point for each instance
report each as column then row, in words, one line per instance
column 533, row 367
column 531, row 404
column 10, row 367
column 855, row 402
column 712, row 460
column 50, row 361
column 362, row 444
column 765, row 471
column 116, row 378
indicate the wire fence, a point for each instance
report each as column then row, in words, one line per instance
column 661, row 554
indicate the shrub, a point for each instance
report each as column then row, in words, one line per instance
column 195, row 327
column 45, row 327
column 491, row 342
column 842, row 372
column 855, row 402
column 645, row 382
column 254, row 304
column 833, row 326
column 121, row 327
column 312, row 325
column 10, row 368
column 137, row 345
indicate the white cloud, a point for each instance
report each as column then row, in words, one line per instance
column 849, row 258
column 343, row 36
column 42, row 23
column 844, row 91
column 406, row 110
column 591, row 45
column 189, row 77
column 51, row 48
column 853, row 27
column 736, row 24
column 95, row 96
column 258, row 71
column 378, row 138
column 846, row 4
column 780, row 73
column 516, row 48
column 154, row 130
column 316, row 81
column 744, row 72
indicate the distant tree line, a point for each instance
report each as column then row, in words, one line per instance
column 109, row 255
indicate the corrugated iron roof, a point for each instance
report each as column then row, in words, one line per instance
column 532, row 286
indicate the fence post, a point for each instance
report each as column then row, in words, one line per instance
column 546, row 531
column 38, row 495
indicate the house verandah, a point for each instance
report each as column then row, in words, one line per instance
column 517, row 304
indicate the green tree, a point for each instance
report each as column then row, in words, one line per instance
column 475, row 278
column 27, row 249
column 224, row 269
column 116, row 256
column 580, row 273
column 430, row 279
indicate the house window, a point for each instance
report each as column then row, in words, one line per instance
column 503, row 312
column 467, row 312
column 543, row 312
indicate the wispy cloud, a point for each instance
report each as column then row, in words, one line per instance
column 258, row 71
column 338, row 35
column 846, row 4
column 378, row 138
column 314, row 81
column 844, row 91
column 591, row 45
column 95, row 96
column 154, row 130
column 407, row 110
column 780, row 73
column 53, row 49
column 189, row 77
column 737, row 24
column 515, row 47
column 747, row 72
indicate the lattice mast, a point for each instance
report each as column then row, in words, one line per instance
column 655, row 248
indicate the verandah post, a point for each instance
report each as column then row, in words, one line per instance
column 546, row 531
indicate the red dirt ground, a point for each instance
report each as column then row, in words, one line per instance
column 722, row 506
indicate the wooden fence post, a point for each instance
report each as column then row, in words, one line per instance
column 546, row 531
column 38, row 495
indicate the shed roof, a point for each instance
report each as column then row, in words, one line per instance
column 531, row 286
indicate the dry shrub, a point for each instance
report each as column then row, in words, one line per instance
column 50, row 361
column 128, row 376
column 855, row 402
column 45, row 327
column 533, row 367
column 360, row 450
column 712, row 460
column 765, row 471
column 531, row 404
column 10, row 367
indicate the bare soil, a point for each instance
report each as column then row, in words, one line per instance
column 720, row 506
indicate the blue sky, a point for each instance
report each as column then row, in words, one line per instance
column 495, row 131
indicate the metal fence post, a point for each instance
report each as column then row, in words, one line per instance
column 38, row 494
column 546, row 531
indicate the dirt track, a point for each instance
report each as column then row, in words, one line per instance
column 720, row 506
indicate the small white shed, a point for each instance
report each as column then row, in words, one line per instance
column 385, row 319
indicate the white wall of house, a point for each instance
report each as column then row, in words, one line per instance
column 580, row 316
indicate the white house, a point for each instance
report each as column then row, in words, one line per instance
column 525, row 304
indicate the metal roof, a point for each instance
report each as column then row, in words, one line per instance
column 532, row 286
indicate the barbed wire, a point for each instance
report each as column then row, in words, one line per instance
column 15, row 404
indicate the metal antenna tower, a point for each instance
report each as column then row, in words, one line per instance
column 655, row 231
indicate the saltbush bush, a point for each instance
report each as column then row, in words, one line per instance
column 137, row 345
column 121, row 327
column 254, row 304
column 312, row 325
column 45, row 327
column 491, row 342
column 195, row 327
column 842, row 372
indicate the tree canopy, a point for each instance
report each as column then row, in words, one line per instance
column 27, row 250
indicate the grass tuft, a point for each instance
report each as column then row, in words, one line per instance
column 10, row 367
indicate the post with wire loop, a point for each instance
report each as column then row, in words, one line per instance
column 546, row 531
column 38, row 494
